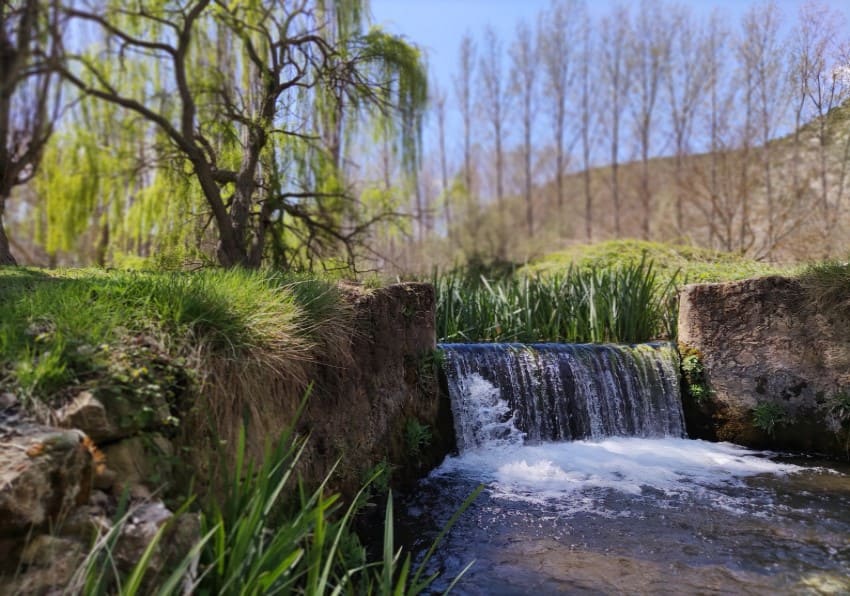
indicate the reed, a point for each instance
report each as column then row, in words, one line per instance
column 625, row 304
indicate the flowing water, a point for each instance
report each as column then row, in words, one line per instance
column 591, row 488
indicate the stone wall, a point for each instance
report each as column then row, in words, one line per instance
column 367, row 410
column 764, row 344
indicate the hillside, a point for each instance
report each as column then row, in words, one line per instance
column 725, row 205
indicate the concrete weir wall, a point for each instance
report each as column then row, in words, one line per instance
column 763, row 341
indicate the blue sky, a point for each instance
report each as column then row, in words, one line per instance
column 438, row 25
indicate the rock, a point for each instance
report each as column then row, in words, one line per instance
column 107, row 417
column 43, row 476
column 8, row 401
column 143, row 461
column 141, row 527
column 763, row 341
column 86, row 413
column 48, row 564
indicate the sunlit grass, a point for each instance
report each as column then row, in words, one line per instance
column 58, row 327
column 626, row 303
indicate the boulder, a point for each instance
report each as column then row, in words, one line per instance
column 764, row 342
column 88, row 414
column 109, row 417
column 44, row 474
column 141, row 464
column 48, row 563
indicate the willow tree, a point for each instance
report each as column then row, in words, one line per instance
column 28, row 98
column 253, row 102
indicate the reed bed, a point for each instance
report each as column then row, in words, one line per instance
column 625, row 304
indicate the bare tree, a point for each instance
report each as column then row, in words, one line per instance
column 523, row 87
column 587, row 120
column 818, row 60
column 768, row 87
column 29, row 98
column 721, row 214
column 616, row 79
column 558, row 28
column 686, row 80
column 493, row 103
column 439, row 102
column 650, row 50
column 463, row 90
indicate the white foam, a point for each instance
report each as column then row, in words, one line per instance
column 570, row 473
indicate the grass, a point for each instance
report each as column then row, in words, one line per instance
column 253, row 541
column 626, row 303
column 827, row 285
column 57, row 328
column 617, row 291
column 688, row 264
column 214, row 346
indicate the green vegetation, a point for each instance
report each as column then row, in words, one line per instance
column 255, row 540
column 624, row 303
column 417, row 437
column 693, row 374
column 687, row 264
column 768, row 415
column 116, row 333
column 838, row 416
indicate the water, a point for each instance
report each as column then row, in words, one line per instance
column 611, row 513
column 562, row 392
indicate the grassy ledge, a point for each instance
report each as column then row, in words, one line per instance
column 119, row 333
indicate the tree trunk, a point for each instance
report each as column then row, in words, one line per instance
column 6, row 257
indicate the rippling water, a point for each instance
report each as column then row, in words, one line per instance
column 633, row 515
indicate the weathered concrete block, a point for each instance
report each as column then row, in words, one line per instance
column 763, row 341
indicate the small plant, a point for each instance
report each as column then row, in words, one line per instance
column 768, row 415
column 838, row 416
column 417, row 438
column 693, row 374
column 429, row 365
column 839, row 408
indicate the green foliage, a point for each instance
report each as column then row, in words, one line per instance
column 428, row 367
column 687, row 264
column 417, row 438
column 838, row 416
column 625, row 303
column 693, row 374
column 839, row 408
column 256, row 540
column 143, row 332
column 124, row 179
column 768, row 415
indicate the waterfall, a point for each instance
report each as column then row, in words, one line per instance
column 515, row 393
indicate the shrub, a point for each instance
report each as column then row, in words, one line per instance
column 768, row 415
